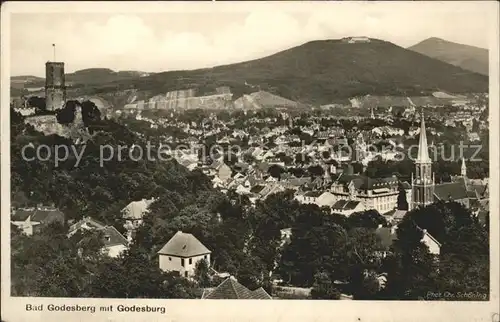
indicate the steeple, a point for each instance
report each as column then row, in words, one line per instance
column 463, row 171
column 424, row 180
column 423, row 149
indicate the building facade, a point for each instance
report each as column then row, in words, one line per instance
column 380, row 194
column 181, row 254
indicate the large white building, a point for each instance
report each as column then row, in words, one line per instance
column 380, row 194
column 181, row 254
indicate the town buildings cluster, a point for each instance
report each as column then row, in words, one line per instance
column 273, row 156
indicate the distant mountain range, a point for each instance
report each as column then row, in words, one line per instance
column 90, row 76
column 467, row 57
column 317, row 72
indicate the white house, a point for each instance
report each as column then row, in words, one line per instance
column 181, row 253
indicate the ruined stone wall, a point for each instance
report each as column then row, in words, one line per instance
column 48, row 125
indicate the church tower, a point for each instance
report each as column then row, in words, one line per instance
column 463, row 171
column 423, row 183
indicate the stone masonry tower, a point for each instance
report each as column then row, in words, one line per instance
column 423, row 184
column 55, row 89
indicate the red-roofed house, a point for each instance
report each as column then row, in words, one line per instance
column 181, row 253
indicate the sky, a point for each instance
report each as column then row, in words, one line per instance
column 173, row 38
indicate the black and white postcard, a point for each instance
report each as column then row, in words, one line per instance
column 319, row 161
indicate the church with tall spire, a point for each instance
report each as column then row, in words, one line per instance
column 425, row 191
column 422, row 184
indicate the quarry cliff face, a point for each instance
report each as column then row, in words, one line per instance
column 185, row 99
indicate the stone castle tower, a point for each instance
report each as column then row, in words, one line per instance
column 55, row 87
column 422, row 185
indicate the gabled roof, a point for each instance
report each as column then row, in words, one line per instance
column 86, row 223
column 113, row 237
column 326, row 199
column 230, row 289
column 451, row 190
column 426, row 233
column 257, row 189
column 271, row 188
column 44, row 215
column 364, row 182
column 184, row 245
column 261, row 294
column 110, row 235
column 396, row 214
column 313, row 194
column 137, row 209
column 345, row 205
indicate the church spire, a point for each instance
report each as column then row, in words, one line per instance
column 464, row 168
column 423, row 184
column 423, row 149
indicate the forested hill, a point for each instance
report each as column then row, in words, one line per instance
column 88, row 189
column 467, row 57
column 323, row 71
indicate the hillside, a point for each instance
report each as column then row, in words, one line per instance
column 262, row 99
column 89, row 76
column 321, row 72
column 318, row 72
column 467, row 57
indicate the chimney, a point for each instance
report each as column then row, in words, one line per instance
column 424, row 231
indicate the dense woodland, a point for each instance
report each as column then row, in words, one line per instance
column 330, row 253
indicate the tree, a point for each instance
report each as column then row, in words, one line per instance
column 90, row 113
column 202, row 273
column 275, row 171
column 66, row 115
column 369, row 287
column 367, row 219
column 402, row 202
column 38, row 103
column 463, row 260
column 143, row 279
column 323, row 288
column 315, row 171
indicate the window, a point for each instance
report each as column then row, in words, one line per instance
column 170, row 258
column 182, row 261
column 186, row 274
column 190, row 261
column 205, row 257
